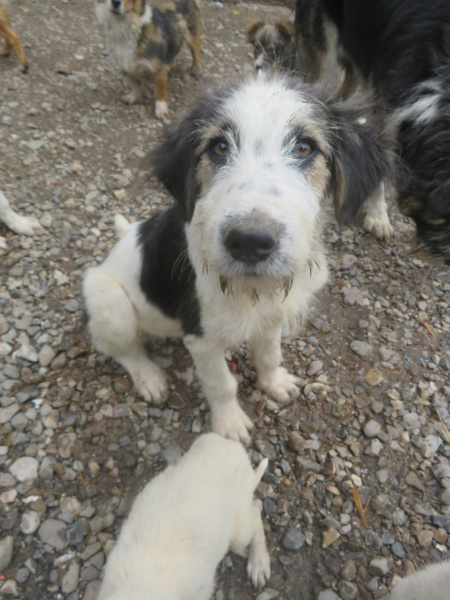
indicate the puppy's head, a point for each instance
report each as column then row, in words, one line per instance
column 120, row 8
column 250, row 167
column 272, row 44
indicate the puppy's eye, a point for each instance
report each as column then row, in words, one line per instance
column 304, row 148
column 221, row 148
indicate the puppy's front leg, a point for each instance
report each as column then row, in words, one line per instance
column 258, row 565
column 219, row 386
column 271, row 377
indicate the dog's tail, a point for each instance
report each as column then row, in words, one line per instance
column 121, row 225
column 260, row 470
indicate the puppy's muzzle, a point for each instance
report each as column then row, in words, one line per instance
column 251, row 240
column 115, row 6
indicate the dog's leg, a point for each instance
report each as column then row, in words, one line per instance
column 194, row 43
column 135, row 89
column 271, row 377
column 115, row 330
column 258, row 564
column 12, row 42
column 219, row 386
column 376, row 218
column 19, row 224
column 161, row 79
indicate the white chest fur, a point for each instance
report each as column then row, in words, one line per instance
column 122, row 34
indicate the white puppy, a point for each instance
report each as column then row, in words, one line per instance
column 431, row 583
column 183, row 523
column 19, row 224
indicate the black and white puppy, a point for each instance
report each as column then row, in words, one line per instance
column 401, row 48
column 239, row 256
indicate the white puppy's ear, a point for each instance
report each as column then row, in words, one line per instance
column 361, row 160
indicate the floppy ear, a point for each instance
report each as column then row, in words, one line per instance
column 286, row 29
column 251, row 29
column 173, row 160
column 361, row 160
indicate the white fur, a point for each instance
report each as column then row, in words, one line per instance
column 183, row 523
column 19, row 224
column 431, row 583
column 120, row 314
column 376, row 218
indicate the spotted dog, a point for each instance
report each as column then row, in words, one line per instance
column 239, row 255
column 144, row 38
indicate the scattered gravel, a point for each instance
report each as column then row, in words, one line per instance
column 77, row 444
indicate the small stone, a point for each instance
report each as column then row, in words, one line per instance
column 75, row 533
column 9, row 588
column 7, row 413
column 53, row 533
column 348, row 571
column 379, row 566
column 398, row 550
column 66, row 442
column 293, row 540
column 266, row 449
column 70, row 580
column 413, row 480
column 328, row 595
column 373, row 377
column 30, row 522
column 314, row 367
column 399, row 517
column 329, row 536
column 46, row 355
column 444, row 363
column 25, row 468
column 445, row 497
column 296, row 442
column 6, row 552
column 372, row 428
column 362, row 349
column 63, row 69
column 425, row 537
column 348, row 591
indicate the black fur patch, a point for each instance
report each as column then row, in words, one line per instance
column 167, row 276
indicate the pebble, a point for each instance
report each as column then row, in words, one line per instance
column 25, row 468
column 293, row 540
column 362, row 349
column 379, row 566
column 329, row 536
column 373, row 377
column 53, row 532
column 372, row 428
column 6, row 552
column 296, row 442
column 70, row 579
column 30, row 522
column 328, row 595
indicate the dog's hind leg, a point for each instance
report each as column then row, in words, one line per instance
column 194, row 43
column 376, row 218
column 115, row 331
column 161, row 79
column 135, row 89
column 219, row 386
column 15, row 222
column 271, row 376
column 12, row 42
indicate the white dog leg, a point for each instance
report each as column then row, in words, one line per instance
column 376, row 218
column 271, row 377
column 258, row 565
column 219, row 386
column 15, row 222
column 115, row 332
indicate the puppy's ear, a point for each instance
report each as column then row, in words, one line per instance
column 286, row 29
column 362, row 159
column 251, row 29
column 174, row 162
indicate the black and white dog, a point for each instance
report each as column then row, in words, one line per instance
column 239, row 255
column 401, row 48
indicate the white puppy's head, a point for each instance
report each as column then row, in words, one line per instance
column 250, row 167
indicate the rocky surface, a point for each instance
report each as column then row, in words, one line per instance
column 76, row 442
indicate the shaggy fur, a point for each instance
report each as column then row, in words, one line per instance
column 184, row 522
column 19, row 224
column 12, row 40
column 144, row 39
column 431, row 583
column 401, row 48
column 239, row 256
column 273, row 45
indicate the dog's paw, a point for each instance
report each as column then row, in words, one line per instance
column 279, row 384
column 161, row 109
column 24, row 225
column 258, row 565
column 378, row 225
column 150, row 383
column 230, row 421
column 197, row 71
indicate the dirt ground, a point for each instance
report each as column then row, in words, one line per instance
column 72, row 155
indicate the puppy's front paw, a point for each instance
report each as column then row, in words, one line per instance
column 279, row 384
column 258, row 565
column 150, row 383
column 25, row 225
column 161, row 109
column 230, row 421
column 378, row 225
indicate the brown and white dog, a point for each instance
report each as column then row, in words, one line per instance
column 273, row 45
column 144, row 39
column 12, row 40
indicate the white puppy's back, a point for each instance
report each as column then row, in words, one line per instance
column 431, row 583
column 181, row 524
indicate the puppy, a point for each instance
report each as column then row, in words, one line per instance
column 12, row 40
column 19, row 224
column 239, row 256
column 144, row 39
column 273, row 45
column 401, row 49
column 184, row 522
column 431, row 583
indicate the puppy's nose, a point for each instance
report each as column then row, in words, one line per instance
column 250, row 246
column 116, row 4
column 258, row 68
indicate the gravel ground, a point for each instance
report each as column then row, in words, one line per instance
column 77, row 444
